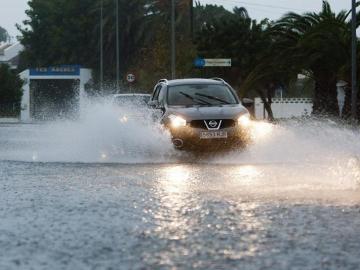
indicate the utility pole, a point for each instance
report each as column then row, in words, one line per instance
column 173, row 45
column 354, row 89
column 192, row 19
column 101, row 46
column 117, row 49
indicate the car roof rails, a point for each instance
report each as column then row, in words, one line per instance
column 218, row 79
column 163, row 81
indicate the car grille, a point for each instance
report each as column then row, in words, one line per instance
column 226, row 123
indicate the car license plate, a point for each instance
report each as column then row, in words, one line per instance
column 213, row 134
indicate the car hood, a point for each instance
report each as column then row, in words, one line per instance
column 204, row 113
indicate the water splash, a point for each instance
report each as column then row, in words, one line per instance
column 104, row 133
column 315, row 158
column 310, row 141
column 298, row 156
column 109, row 133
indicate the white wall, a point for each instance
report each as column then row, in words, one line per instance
column 285, row 107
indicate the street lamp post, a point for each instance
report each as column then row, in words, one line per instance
column 173, row 45
column 354, row 90
column 192, row 19
column 117, row 48
column 101, row 46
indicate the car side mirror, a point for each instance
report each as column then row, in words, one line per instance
column 153, row 104
column 247, row 102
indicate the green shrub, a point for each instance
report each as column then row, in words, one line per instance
column 10, row 91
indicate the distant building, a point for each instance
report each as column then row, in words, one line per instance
column 55, row 92
column 9, row 54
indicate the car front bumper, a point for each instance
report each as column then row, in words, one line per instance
column 191, row 138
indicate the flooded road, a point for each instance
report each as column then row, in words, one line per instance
column 82, row 196
column 98, row 216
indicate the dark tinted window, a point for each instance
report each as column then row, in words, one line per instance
column 200, row 94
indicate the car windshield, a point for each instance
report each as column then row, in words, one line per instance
column 132, row 100
column 200, row 94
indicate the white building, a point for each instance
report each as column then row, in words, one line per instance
column 9, row 54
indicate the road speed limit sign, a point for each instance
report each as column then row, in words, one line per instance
column 130, row 77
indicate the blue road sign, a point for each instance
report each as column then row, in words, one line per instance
column 212, row 62
column 199, row 62
column 62, row 70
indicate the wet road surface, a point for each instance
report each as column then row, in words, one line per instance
column 212, row 213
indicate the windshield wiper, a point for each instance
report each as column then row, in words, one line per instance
column 196, row 100
column 213, row 98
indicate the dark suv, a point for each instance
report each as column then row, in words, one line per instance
column 201, row 113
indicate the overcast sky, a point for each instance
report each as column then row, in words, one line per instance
column 13, row 11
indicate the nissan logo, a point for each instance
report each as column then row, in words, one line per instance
column 213, row 123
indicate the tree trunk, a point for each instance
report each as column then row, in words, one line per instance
column 325, row 98
column 267, row 103
column 346, row 113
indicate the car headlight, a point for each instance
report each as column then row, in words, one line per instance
column 244, row 120
column 177, row 121
column 123, row 119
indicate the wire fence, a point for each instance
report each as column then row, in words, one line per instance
column 9, row 109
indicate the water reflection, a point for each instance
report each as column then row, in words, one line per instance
column 174, row 191
column 253, row 229
column 246, row 175
column 175, row 179
column 192, row 204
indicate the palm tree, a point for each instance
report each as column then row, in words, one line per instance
column 320, row 44
column 234, row 36
column 247, row 43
